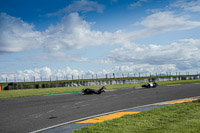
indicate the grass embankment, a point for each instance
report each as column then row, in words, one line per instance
column 177, row 118
column 48, row 91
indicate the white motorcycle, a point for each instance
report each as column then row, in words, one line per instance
column 150, row 85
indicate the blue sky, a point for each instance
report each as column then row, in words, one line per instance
column 43, row 38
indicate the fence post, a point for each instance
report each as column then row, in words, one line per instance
column 113, row 75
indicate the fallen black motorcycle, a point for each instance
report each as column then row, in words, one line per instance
column 93, row 91
column 150, row 85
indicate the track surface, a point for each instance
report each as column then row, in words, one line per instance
column 29, row 114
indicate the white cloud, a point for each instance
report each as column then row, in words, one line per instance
column 61, row 56
column 80, row 6
column 153, row 24
column 17, row 35
column 192, row 5
column 155, row 59
column 45, row 74
column 182, row 55
column 134, row 70
column 72, row 32
column 167, row 21
column 138, row 3
column 157, row 23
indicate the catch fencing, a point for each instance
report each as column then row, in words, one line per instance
column 38, row 78
column 93, row 82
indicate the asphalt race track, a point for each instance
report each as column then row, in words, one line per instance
column 22, row 115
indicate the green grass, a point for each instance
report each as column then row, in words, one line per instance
column 178, row 82
column 47, row 91
column 36, row 92
column 177, row 118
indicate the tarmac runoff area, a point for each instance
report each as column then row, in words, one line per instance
column 77, row 124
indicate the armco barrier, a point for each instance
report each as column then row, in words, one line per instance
column 35, row 85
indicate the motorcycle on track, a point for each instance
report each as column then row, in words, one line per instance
column 150, row 85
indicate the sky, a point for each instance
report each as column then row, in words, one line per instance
column 45, row 38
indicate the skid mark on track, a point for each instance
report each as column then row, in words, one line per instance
column 94, row 99
column 65, row 106
column 78, row 103
column 50, row 111
column 84, row 105
column 33, row 116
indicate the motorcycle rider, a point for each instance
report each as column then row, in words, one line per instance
column 93, row 91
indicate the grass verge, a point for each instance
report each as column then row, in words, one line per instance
column 48, row 91
column 177, row 118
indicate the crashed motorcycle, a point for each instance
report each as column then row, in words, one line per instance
column 93, row 91
column 150, row 85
